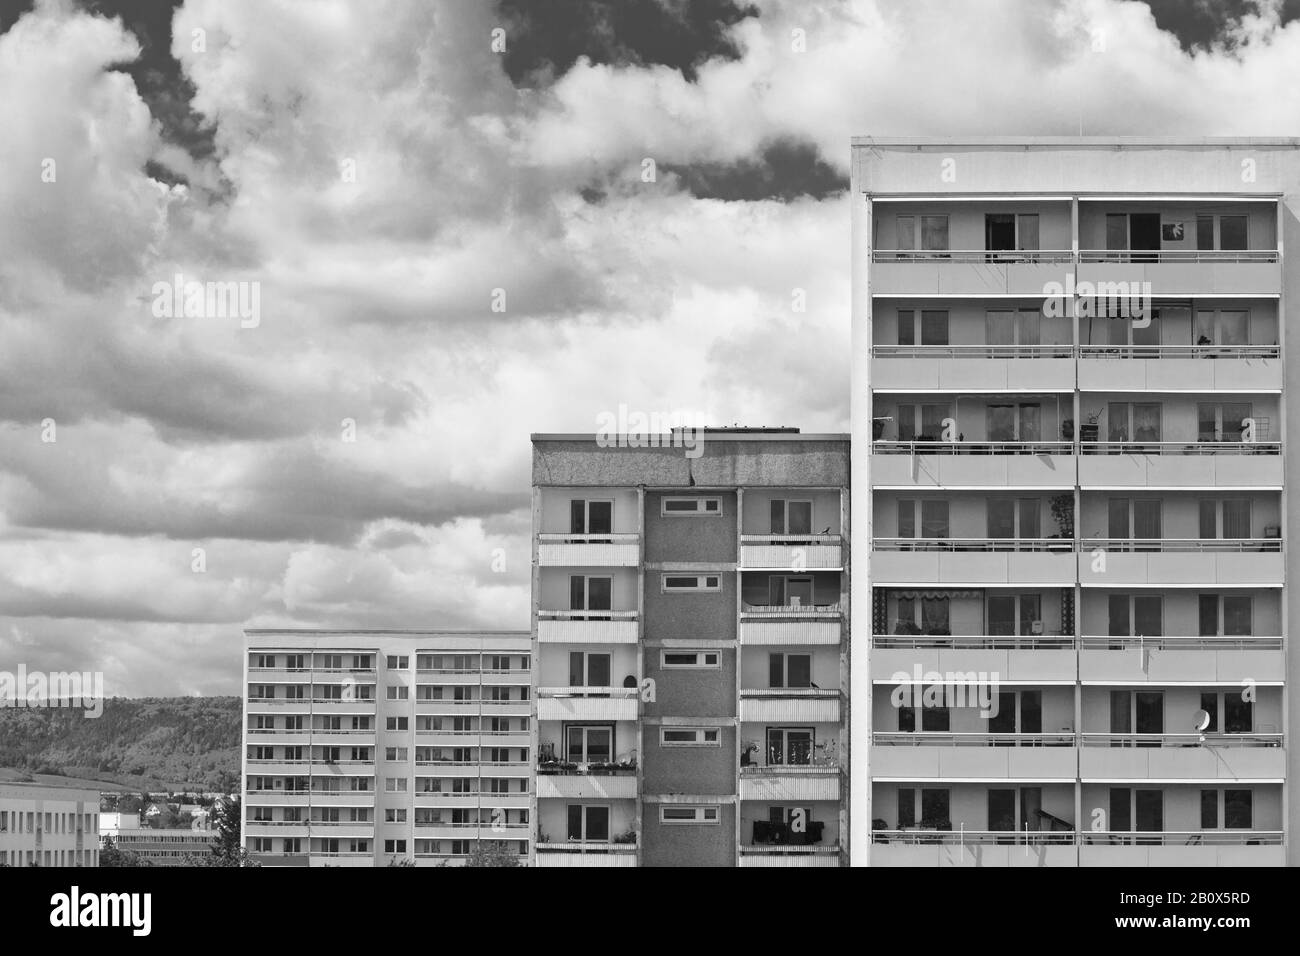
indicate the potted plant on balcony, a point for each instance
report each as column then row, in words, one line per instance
column 1067, row 429
column 627, row 837
column 1063, row 513
column 750, row 747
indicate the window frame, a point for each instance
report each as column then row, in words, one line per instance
column 699, row 511
column 700, row 815
column 697, row 589
column 666, row 652
column 701, row 734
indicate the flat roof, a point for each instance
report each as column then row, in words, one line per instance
column 665, row 438
column 1085, row 142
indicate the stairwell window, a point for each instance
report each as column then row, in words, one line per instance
column 682, row 815
column 697, row 660
column 686, row 583
column 690, row 737
column 692, row 507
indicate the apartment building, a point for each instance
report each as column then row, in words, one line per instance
column 1070, row 408
column 157, row 846
column 45, row 825
column 386, row 747
column 690, row 626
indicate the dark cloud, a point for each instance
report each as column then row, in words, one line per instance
column 786, row 170
column 546, row 37
column 1203, row 24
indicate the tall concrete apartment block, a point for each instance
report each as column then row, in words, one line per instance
column 1070, row 417
column 691, row 633
column 376, row 747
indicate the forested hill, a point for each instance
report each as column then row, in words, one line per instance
column 169, row 743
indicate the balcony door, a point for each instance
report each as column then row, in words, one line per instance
column 1018, row 422
column 789, row 591
column 588, row 823
column 1136, row 231
column 1236, row 615
column 591, row 593
column 790, row 746
column 791, row 516
column 1225, row 518
column 1011, row 614
column 589, row 670
column 585, row 743
column 591, row 517
column 1137, row 520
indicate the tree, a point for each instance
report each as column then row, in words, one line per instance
column 228, row 848
column 492, row 853
column 401, row 861
column 111, row 855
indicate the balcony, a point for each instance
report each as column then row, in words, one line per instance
column 987, row 561
column 783, row 552
column 1018, row 659
column 810, row 705
column 764, row 624
column 967, row 272
column 587, row 703
column 928, row 755
column 1180, row 464
column 782, row 782
column 587, row 627
column 972, row 368
column 932, row 464
column 1173, row 757
column 1196, row 848
column 593, row 783
column 1218, row 272
column 1171, row 368
column 343, row 798
column 278, row 705
column 448, row 707
column 340, row 829
column 578, row 853
column 276, row 798
column 284, row 828
column 788, row 856
column 456, row 800
column 343, row 705
column 1190, row 660
column 1211, row 562
column 588, row 550
column 345, row 738
column 973, row 848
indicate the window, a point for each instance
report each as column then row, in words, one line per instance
column 690, row 737
column 1006, row 327
column 590, row 592
column 791, row 516
column 586, row 743
column 1222, row 421
column 1237, row 810
column 395, row 753
column 1232, row 232
column 398, row 663
column 591, row 517
column 1010, row 231
column 1236, row 620
column 679, row 583
column 1238, row 714
column 934, row 233
column 933, row 326
column 589, row 823
column 790, row 591
column 690, row 507
column 1019, row 422
column 1222, row 327
column 689, row 659
column 394, row 816
column 934, row 717
column 1136, row 615
column 679, row 814
column 1013, row 517
column 1235, row 514
column 790, row 746
column 395, row 723
column 398, row 692
column 789, row 670
column 1133, row 421
column 394, row 846
column 587, row 669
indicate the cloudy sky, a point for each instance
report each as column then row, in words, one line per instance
column 455, row 245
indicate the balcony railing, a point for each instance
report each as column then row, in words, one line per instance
column 608, row 537
column 781, row 611
column 1227, row 643
column 1181, row 740
column 972, row 544
column 1181, row 837
column 930, row 738
column 1062, row 351
column 1181, row 544
column 586, row 615
column 1223, row 447
column 963, row 837
column 1178, row 351
column 1068, row 351
column 1178, row 255
column 587, row 847
column 933, row 447
column 972, row 255
column 985, row 642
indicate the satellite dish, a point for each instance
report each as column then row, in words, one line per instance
column 1201, row 720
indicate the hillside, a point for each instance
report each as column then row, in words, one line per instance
column 147, row 743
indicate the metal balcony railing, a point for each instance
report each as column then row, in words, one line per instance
column 1068, row 351
column 973, row 255
column 1181, row 740
column 1181, row 544
column 930, row 738
column 986, row 642
column 1168, row 643
column 972, row 544
column 1199, row 447
column 1178, row 255
column 962, row 837
column 934, row 447
column 1181, row 838
column 1060, row 351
